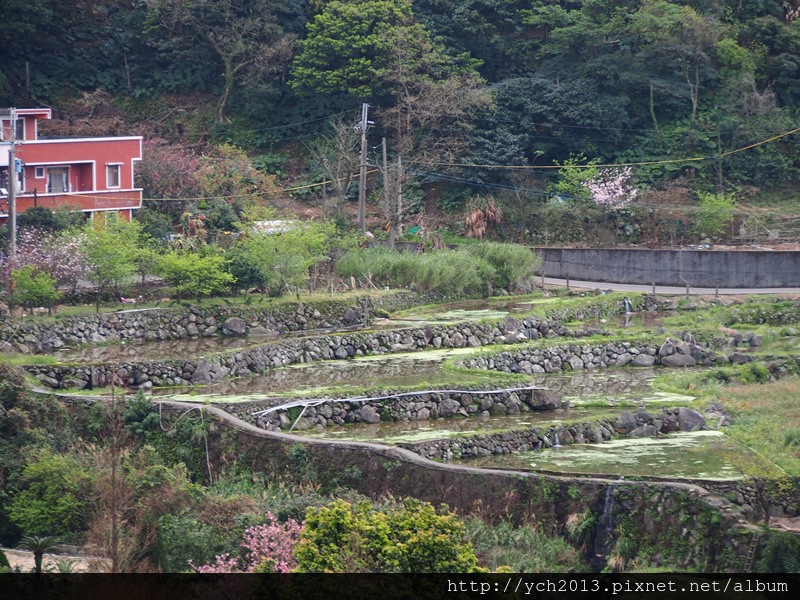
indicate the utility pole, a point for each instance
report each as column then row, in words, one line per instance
column 390, row 212
column 12, row 187
column 362, row 176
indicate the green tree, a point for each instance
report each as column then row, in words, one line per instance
column 348, row 45
column 573, row 173
column 281, row 261
column 112, row 246
column 195, row 274
column 54, row 496
column 231, row 186
column 32, row 288
column 399, row 537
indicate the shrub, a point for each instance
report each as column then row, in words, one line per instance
column 55, row 496
column 266, row 548
column 714, row 214
column 194, row 274
column 399, row 537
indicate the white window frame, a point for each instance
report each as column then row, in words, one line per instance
column 113, row 167
column 38, row 173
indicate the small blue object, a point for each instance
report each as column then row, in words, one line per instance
column 17, row 165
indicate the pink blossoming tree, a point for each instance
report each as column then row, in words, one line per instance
column 268, row 547
column 612, row 189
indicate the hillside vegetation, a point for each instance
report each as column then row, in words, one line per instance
column 508, row 110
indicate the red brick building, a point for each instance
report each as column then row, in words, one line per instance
column 89, row 174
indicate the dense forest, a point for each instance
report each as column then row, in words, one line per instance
column 476, row 98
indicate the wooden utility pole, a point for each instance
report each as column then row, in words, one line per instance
column 362, row 176
column 12, row 186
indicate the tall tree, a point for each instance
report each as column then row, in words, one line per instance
column 375, row 49
column 244, row 34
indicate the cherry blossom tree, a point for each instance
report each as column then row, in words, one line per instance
column 61, row 255
column 612, row 189
column 268, row 547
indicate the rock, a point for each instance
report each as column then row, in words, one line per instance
column 678, row 360
column 234, row 326
column 350, row 316
column 737, row 358
column 644, row 431
column 643, row 360
column 625, row 423
column 690, row 420
column 543, row 400
column 369, row 414
column 448, row 407
column 201, row 373
column 756, row 340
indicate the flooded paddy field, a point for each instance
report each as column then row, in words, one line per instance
column 391, row 371
column 399, row 432
column 699, row 454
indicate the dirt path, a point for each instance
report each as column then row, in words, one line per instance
column 23, row 560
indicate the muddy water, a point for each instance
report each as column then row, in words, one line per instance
column 700, row 454
column 418, row 431
column 386, row 372
column 157, row 350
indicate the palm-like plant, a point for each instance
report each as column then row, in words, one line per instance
column 39, row 545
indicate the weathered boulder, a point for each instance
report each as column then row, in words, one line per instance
column 643, row 360
column 678, row 360
column 449, row 407
column 690, row 420
column 234, row 326
column 625, row 422
column 369, row 414
column 543, row 400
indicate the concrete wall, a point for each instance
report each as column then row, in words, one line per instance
column 701, row 268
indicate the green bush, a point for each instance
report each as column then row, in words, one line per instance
column 402, row 537
column 54, row 497
column 522, row 549
column 714, row 214
column 194, row 274
column 781, row 554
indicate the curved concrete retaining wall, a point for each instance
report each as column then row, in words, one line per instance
column 692, row 528
column 701, row 268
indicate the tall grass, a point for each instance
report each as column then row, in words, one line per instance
column 472, row 270
column 767, row 420
column 522, row 549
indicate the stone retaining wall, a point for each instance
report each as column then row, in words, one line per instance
column 529, row 360
column 627, row 424
column 193, row 322
column 260, row 359
column 408, row 406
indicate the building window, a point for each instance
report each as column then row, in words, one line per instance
column 19, row 130
column 112, row 176
column 57, row 180
column 38, row 172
